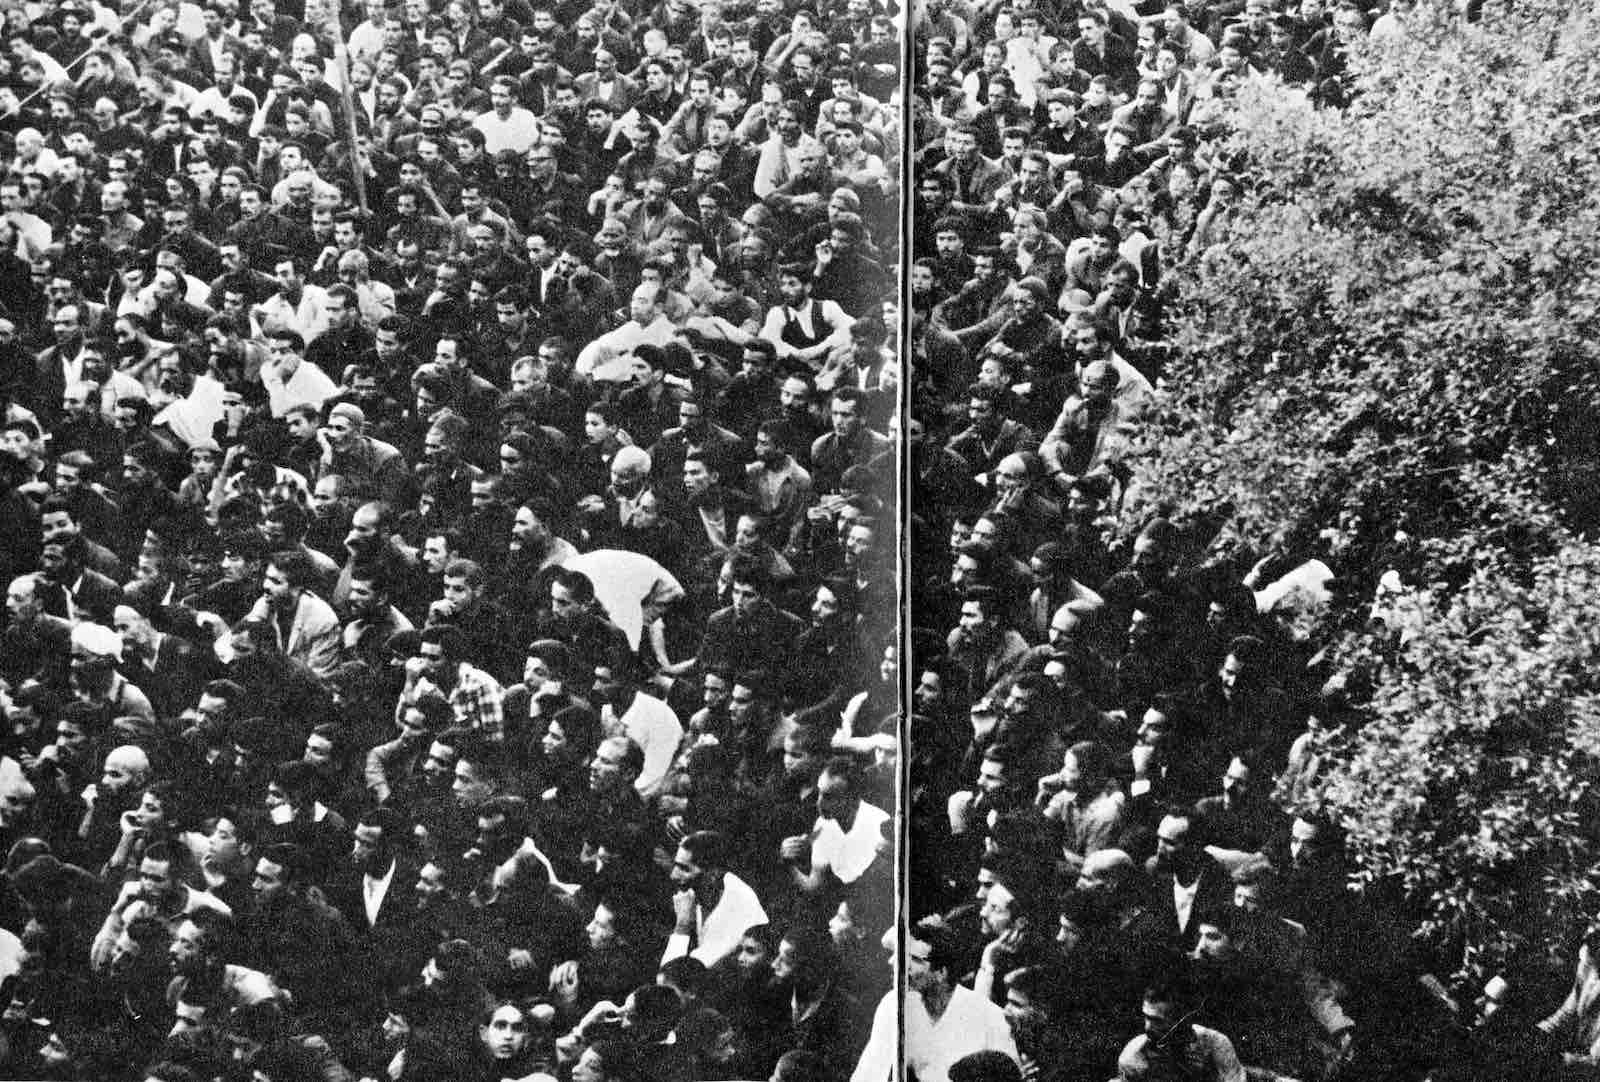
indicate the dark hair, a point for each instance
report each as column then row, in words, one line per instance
column 291, row 858
column 581, row 727
column 945, row 952
column 707, row 848
column 987, row 1065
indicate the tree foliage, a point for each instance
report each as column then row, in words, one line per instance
column 1400, row 336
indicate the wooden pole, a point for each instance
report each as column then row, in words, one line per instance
column 80, row 58
column 347, row 104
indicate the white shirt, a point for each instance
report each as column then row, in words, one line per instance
column 191, row 419
column 1183, row 899
column 879, row 1057
column 517, row 132
column 848, row 853
column 808, row 316
column 366, row 41
column 309, row 386
column 33, row 232
column 118, row 385
column 373, row 892
column 212, row 99
column 195, row 292
column 970, row 1023
column 719, row 931
column 11, row 954
column 309, row 317
column 319, row 187
column 44, row 163
column 376, row 301
column 624, row 582
column 777, row 163
column 652, row 725
column 614, row 344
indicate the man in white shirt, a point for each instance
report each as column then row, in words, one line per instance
column 375, row 895
column 33, row 232
column 605, row 360
column 644, row 719
column 507, row 125
column 847, row 836
column 944, row 1022
column 289, row 380
column 635, row 590
column 802, row 328
column 366, row 40
column 297, row 306
column 712, row 907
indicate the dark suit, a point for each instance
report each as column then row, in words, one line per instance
column 623, row 92
column 172, row 682
column 984, row 456
column 346, row 894
column 762, row 639
column 95, row 595
column 200, row 60
column 1116, row 61
column 39, row 650
column 580, row 309
column 50, row 381
column 1215, row 891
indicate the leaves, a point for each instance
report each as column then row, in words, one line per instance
column 1403, row 335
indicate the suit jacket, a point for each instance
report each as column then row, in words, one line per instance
column 345, row 894
column 1215, row 890
column 173, row 683
column 1118, row 62
column 200, row 57
column 314, row 633
column 764, row 639
column 96, row 557
column 580, row 309
column 977, row 188
column 1012, row 438
column 95, row 595
column 50, row 382
column 623, row 94
column 39, row 650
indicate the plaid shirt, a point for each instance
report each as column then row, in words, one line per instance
column 478, row 699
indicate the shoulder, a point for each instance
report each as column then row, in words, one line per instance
column 316, row 610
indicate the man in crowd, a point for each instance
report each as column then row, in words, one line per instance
column 330, row 718
column 1091, row 673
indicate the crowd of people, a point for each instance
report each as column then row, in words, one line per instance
column 448, row 521
column 1116, row 710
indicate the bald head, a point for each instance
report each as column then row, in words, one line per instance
column 127, row 768
column 1106, row 870
column 1099, row 381
column 22, row 598
column 630, row 464
column 1014, row 464
column 17, row 795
